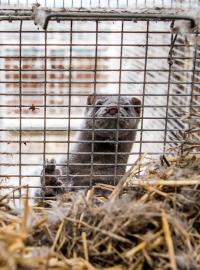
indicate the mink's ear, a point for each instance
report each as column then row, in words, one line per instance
column 137, row 103
column 91, row 99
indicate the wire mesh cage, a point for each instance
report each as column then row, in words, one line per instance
column 99, row 90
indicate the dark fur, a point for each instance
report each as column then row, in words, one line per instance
column 103, row 142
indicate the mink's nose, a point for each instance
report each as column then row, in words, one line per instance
column 112, row 110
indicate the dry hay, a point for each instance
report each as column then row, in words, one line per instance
column 153, row 224
column 146, row 222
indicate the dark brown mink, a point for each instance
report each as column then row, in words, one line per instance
column 108, row 131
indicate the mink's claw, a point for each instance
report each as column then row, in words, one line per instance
column 50, row 179
column 50, row 166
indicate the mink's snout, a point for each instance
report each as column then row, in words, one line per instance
column 112, row 110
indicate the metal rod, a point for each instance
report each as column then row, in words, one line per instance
column 128, row 16
column 20, row 106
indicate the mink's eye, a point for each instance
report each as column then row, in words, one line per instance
column 99, row 103
column 126, row 107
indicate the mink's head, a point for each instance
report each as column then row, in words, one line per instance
column 111, row 113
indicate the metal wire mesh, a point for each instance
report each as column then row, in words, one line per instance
column 46, row 77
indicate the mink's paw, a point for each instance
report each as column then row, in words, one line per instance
column 51, row 184
column 50, row 166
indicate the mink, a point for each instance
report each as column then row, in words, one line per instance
column 102, row 149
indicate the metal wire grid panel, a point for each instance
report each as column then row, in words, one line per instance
column 104, row 3
column 46, row 77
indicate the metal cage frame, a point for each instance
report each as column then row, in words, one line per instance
column 180, row 71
